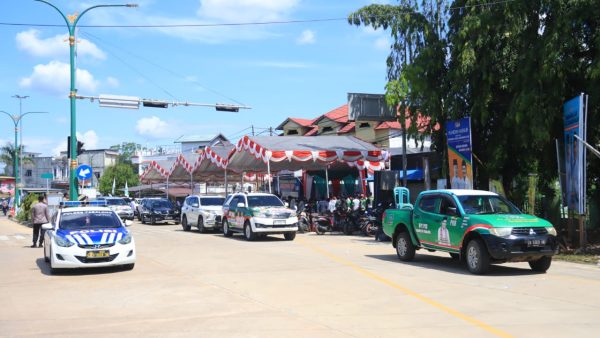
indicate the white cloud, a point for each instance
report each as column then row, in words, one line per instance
column 307, row 37
column 56, row 46
column 89, row 138
column 54, row 78
column 209, row 12
column 154, row 128
column 382, row 43
column 245, row 10
column 113, row 82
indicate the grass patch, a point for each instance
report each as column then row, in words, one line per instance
column 583, row 259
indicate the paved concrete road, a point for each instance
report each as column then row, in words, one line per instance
column 205, row 285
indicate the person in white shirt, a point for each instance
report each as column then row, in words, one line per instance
column 355, row 203
column 443, row 234
column 332, row 204
column 456, row 182
column 465, row 182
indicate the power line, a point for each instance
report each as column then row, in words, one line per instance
column 257, row 23
column 172, row 72
column 138, row 72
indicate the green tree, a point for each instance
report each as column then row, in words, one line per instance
column 8, row 155
column 120, row 173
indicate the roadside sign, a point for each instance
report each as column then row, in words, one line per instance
column 47, row 176
column 84, row 172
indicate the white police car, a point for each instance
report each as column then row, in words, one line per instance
column 87, row 235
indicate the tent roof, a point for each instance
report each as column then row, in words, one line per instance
column 300, row 152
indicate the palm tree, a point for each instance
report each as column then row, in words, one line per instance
column 7, row 156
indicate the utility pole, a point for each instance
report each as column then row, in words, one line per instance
column 71, row 22
column 270, row 131
column 21, row 98
column 252, row 130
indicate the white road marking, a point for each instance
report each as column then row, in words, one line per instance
column 3, row 238
column 19, row 237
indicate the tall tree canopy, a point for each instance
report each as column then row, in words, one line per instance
column 510, row 65
column 120, row 173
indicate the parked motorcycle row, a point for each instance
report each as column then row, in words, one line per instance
column 344, row 220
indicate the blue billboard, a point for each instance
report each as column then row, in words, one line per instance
column 460, row 159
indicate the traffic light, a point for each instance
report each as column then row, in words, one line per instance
column 227, row 107
column 79, row 147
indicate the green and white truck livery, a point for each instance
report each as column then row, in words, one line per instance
column 479, row 227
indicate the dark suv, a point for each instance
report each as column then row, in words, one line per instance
column 154, row 210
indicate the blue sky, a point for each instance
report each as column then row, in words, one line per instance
column 299, row 69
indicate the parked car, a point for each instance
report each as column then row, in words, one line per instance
column 258, row 214
column 203, row 212
column 120, row 206
column 156, row 210
column 87, row 237
column 479, row 227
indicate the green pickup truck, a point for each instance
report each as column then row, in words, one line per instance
column 479, row 227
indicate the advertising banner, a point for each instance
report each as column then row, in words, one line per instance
column 574, row 124
column 458, row 134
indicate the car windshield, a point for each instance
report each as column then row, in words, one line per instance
column 78, row 220
column 485, row 205
column 161, row 204
column 264, row 201
column 212, row 201
column 115, row 201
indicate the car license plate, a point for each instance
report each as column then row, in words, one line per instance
column 279, row 222
column 536, row 242
column 97, row 254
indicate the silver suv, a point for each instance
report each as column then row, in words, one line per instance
column 203, row 212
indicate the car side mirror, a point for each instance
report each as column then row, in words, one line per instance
column 128, row 222
column 47, row 226
column 453, row 211
column 241, row 205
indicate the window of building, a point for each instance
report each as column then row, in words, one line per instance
column 29, row 173
column 364, row 125
column 327, row 129
column 292, row 132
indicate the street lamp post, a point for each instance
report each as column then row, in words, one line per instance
column 71, row 21
column 16, row 119
column 21, row 98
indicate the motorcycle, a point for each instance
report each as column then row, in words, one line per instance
column 341, row 220
column 304, row 221
column 375, row 228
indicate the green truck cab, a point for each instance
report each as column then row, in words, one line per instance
column 479, row 227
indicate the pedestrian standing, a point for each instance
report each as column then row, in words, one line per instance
column 4, row 207
column 39, row 215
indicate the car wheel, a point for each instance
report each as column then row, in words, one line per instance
column 226, row 231
column 289, row 236
column 129, row 266
column 201, row 228
column 347, row 229
column 143, row 219
column 184, row 224
column 477, row 257
column 248, row 233
column 541, row 264
column 53, row 270
column 454, row 255
column 46, row 259
column 153, row 220
column 404, row 247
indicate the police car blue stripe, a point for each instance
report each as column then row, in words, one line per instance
column 104, row 237
column 79, row 239
column 111, row 238
column 119, row 236
column 87, row 239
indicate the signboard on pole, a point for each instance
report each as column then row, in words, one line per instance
column 84, row 172
column 574, row 124
column 460, row 158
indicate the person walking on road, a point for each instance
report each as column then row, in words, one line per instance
column 39, row 216
column 4, row 207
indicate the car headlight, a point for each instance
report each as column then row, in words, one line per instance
column 551, row 231
column 126, row 239
column 501, row 232
column 63, row 242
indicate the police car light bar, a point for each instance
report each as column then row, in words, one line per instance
column 75, row 204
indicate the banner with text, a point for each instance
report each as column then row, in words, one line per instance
column 574, row 124
column 460, row 159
